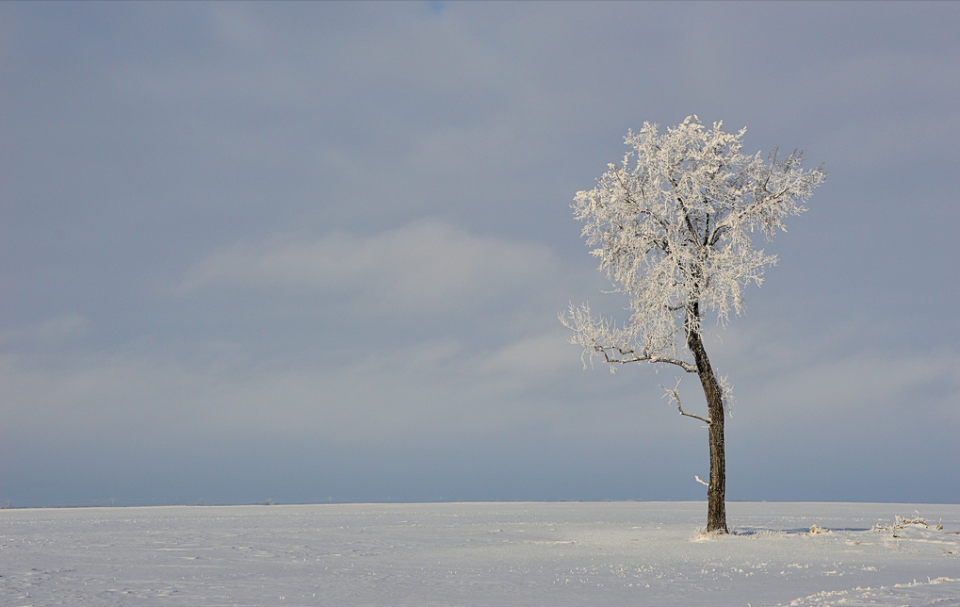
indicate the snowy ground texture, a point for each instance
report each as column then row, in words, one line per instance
column 503, row 554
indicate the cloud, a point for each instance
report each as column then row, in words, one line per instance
column 539, row 356
column 835, row 377
column 57, row 330
column 431, row 391
column 869, row 385
column 424, row 267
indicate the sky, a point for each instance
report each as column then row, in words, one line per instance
column 316, row 252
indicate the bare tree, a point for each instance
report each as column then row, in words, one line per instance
column 673, row 226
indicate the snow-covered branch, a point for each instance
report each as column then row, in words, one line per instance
column 631, row 356
column 599, row 337
column 674, row 395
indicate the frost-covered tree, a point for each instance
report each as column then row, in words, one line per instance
column 673, row 227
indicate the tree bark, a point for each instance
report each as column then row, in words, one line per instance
column 717, row 488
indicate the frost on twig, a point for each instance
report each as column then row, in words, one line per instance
column 600, row 337
column 726, row 390
column 900, row 523
column 674, row 395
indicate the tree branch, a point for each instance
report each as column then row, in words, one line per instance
column 675, row 396
column 652, row 215
column 694, row 235
column 636, row 357
column 718, row 231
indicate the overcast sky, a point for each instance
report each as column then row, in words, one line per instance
column 312, row 252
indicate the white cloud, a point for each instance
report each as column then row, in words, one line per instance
column 49, row 332
column 866, row 383
column 426, row 266
column 428, row 391
column 833, row 377
column 537, row 357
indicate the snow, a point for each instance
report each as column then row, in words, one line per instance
column 505, row 554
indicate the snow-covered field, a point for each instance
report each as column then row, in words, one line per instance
column 504, row 554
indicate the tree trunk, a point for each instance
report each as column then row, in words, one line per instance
column 717, row 488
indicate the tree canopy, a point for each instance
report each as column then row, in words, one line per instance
column 673, row 225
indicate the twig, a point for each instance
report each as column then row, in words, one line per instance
column 674, row 395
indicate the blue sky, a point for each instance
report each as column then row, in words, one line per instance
column 312, row 252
